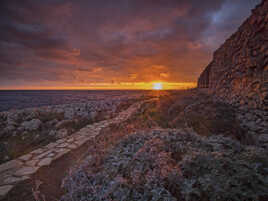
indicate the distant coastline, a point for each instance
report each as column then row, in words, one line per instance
column 21, row 99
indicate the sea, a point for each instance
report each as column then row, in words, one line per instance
column 20, row 99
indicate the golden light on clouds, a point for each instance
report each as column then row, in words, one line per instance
column 114, row 48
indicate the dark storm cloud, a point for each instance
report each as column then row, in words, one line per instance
column 25, row 23
column 120, row 40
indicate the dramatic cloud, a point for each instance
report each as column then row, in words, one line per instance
column 76, row 43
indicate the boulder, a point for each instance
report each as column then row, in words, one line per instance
column 34, row 124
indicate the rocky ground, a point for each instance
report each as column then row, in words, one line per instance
column 185, row 146
column 180, row 145
column 22, row 131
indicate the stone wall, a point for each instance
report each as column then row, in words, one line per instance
column 238, row 72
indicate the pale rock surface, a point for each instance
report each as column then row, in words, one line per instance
column 45, row 162
column 26, row 171
column 31, row 125
column 4, row 190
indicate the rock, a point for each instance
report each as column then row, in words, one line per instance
column 32, row 162
column 61, row 153
column 61, row 123
column 11, row 119
column 52, row 133
column 53, row 122
column 70, row 140
column 13, row 180
column 4, row 190
column 259, row 121
column 26, row 171
column 37, row 151
column 31, row 125
column 62, row 133
column 72, row 146
column 10, row 165
column 43, row 154
column 61, row 150
column 249, row 116
column 69, row 113
column 6, row 158
column 81, row 141
column 252, row 125
column 263, row 138
column 51, row 155
column 93, row 115
column 10, row 128
column 26, row 157
column 63, row 145
column 51, row 145
column 45, row 162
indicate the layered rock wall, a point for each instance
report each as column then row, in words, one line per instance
column 238, row 72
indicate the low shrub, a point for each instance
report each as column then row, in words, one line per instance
column 173, row 165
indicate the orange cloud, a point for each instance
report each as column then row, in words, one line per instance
column 75, row 43
column 164, row 75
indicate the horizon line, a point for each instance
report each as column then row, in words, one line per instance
column 102, row 86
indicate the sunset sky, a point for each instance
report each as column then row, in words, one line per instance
column 116, row 44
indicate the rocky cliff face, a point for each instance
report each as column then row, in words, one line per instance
column 238, row 72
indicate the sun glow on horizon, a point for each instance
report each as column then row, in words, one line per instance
column 154, row 85
column 157, row 86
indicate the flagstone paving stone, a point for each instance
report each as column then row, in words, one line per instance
column 26, row 171
column 45, row 162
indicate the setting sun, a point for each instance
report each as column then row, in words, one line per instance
column 157, row 86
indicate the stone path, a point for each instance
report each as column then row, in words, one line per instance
column 22, row 168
